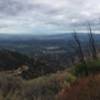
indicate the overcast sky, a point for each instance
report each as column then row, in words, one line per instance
column 48, row 16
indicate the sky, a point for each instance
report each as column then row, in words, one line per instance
column 48, row 16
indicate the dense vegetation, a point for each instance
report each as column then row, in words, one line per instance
column 67, row 85
column 10, row 60
column 42, row 88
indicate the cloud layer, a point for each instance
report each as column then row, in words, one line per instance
column 48, row 16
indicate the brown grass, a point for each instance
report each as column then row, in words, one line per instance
column 83, row 89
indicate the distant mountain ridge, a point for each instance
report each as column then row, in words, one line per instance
column 26, row 37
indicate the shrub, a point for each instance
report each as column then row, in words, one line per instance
column 91, row 67
column 42, row 88
column 10, row 88
column 80, row 69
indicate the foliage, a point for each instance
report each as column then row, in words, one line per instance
column 80, row 69
column 91, row 67
column 42, row 88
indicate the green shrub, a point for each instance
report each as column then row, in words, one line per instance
column 70, row 78
column 93, row 66
column 90, row 67
column 80, row 70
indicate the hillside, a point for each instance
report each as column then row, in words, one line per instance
column 49, row 73
column 58, row 86
column 11, row 61
column 42, row 88
column 87, row 88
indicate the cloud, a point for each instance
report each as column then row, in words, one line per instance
column 47, row 16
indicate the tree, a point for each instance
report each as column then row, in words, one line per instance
column 79, row 48
column 83, row 68
column 92, row 43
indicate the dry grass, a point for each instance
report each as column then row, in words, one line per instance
column 83, row 89
column 42, row 88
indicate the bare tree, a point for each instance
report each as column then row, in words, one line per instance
column 79, row 48
column 71, row 51
column 80, row 53
column 92, row 43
